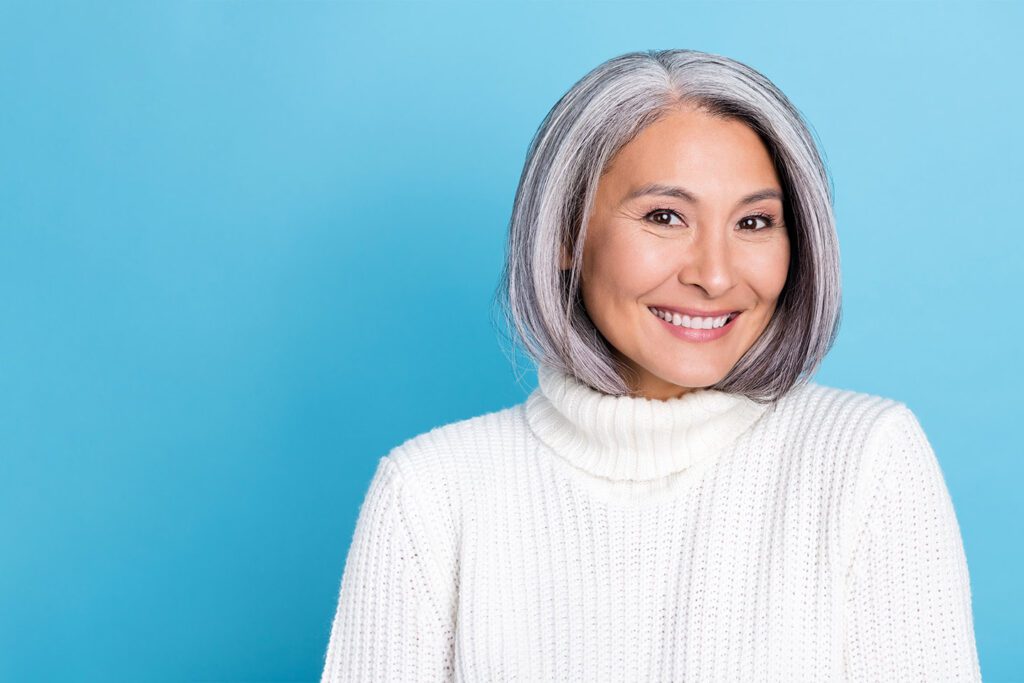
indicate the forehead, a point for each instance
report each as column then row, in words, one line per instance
column 711, row 155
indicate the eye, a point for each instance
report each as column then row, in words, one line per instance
column 770, row 222
column 748, row 223
column 667, row 213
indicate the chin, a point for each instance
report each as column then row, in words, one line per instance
column 691, row 380
column 701, row 382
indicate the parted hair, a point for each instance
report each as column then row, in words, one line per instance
column 573, row 146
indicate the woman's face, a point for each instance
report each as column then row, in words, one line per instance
column 688, row 217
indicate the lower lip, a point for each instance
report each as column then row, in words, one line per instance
column 697, row 335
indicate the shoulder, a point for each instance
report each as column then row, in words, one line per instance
column 830, row 436
column 900, row 503
column 440, row 469
column 899, row 458
column 867, row 422
column 863, row 445
column 843, row 416
column 458, row 444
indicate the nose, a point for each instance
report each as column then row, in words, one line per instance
column 707, row 262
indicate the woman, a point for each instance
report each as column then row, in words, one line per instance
column 677, row 500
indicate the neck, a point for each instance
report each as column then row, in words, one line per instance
column 634, row 438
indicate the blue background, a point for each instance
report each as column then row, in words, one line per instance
column 248, row 247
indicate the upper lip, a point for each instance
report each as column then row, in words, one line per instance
column 693, row 312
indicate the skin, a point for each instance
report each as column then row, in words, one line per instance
column 704, row 255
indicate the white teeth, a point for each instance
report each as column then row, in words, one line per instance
column 694, row 323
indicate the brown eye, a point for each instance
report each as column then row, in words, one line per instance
column 750, row 222
column 663, row 217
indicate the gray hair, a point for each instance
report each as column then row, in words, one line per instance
column 576, row 143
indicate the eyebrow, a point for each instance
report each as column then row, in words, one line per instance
column 684, row 194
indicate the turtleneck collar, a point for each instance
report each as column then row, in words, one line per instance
column 634, row 438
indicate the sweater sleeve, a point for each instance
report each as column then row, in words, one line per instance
column 390, row 623
column 908, row 598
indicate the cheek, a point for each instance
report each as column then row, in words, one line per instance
column 630, row 265
column 768, row 269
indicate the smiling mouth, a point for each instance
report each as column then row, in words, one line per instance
column 694, row 322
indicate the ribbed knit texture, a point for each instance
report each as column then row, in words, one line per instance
column 579, row 536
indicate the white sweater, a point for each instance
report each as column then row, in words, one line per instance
column 580, row 536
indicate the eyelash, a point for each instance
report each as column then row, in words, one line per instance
column 771, row 220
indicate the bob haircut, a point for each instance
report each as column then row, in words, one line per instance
column 576, row 143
